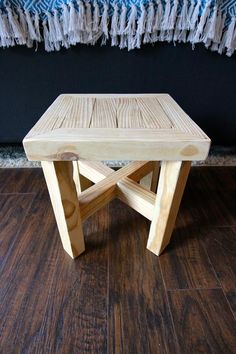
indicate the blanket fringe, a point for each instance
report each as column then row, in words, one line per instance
column 126, row 26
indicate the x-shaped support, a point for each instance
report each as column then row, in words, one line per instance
column 71, row 206
column 110, row 184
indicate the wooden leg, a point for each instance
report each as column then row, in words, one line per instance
column 63, row 194
column 76, row 176
column 85, row 183
column 82, row 183
column 151, row 179
column 155, row 176
column 146, row 181
column 173, row 177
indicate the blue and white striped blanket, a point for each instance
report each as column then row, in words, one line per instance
column 127, row 24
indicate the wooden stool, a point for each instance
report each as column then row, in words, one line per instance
column 77, row 130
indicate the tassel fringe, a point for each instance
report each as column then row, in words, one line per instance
column 126, row 26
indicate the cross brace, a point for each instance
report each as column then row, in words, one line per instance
column 72, row 206
column 110, row 184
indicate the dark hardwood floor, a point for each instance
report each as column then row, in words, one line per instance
column 118, row 297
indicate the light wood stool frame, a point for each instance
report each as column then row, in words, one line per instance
column 73, row 203
column 78, row 130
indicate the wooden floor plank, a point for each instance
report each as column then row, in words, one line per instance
column 219, row 207
column 52, row 304
column 13, row 210
column 48, row 302
column 78, row 322
column 203, row 321
column 205, row 205
column 220, row 244
column 139, row 319
column 185, row 264
column 26, row 278
column 21, row 180
column 208, row 200
column 214, row 177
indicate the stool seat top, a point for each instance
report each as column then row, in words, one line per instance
column 115, row 126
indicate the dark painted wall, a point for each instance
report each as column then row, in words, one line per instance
column 203, row 83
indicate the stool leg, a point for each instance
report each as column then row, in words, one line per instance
column 62, row 191
column 150, row 180
column 81, row 182
column 155, row 176
column 172, row 181
column 76, row 177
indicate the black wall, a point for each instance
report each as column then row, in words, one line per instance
column 202, row 82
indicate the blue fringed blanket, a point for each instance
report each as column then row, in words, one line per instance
column 127, row 24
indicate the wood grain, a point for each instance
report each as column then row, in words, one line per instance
column 137, row 197
column 63, row 195
column 13, row 211
column 211, row 177
column 136, row 290
column 128, row 114
column 80, row 114
column 107, row 127
column 81, row 182
column 153, row 114
column 179, row 119
column 54, row 115
column 115, row 298
column 185, row 263
column 97, row 171
column 56, row 304
column 134, row 111
column 155, row 176
column 27, row 272
column 217, row 188
column 173, row 177
column 203, row 321
column 220, row 244
column 117, row 185
column 104, row 191
column 11, row 180
column 104, row 113
column 76, row 177
column 111, row 144
column 78, row 322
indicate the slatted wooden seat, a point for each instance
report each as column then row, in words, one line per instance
column 79, row 130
